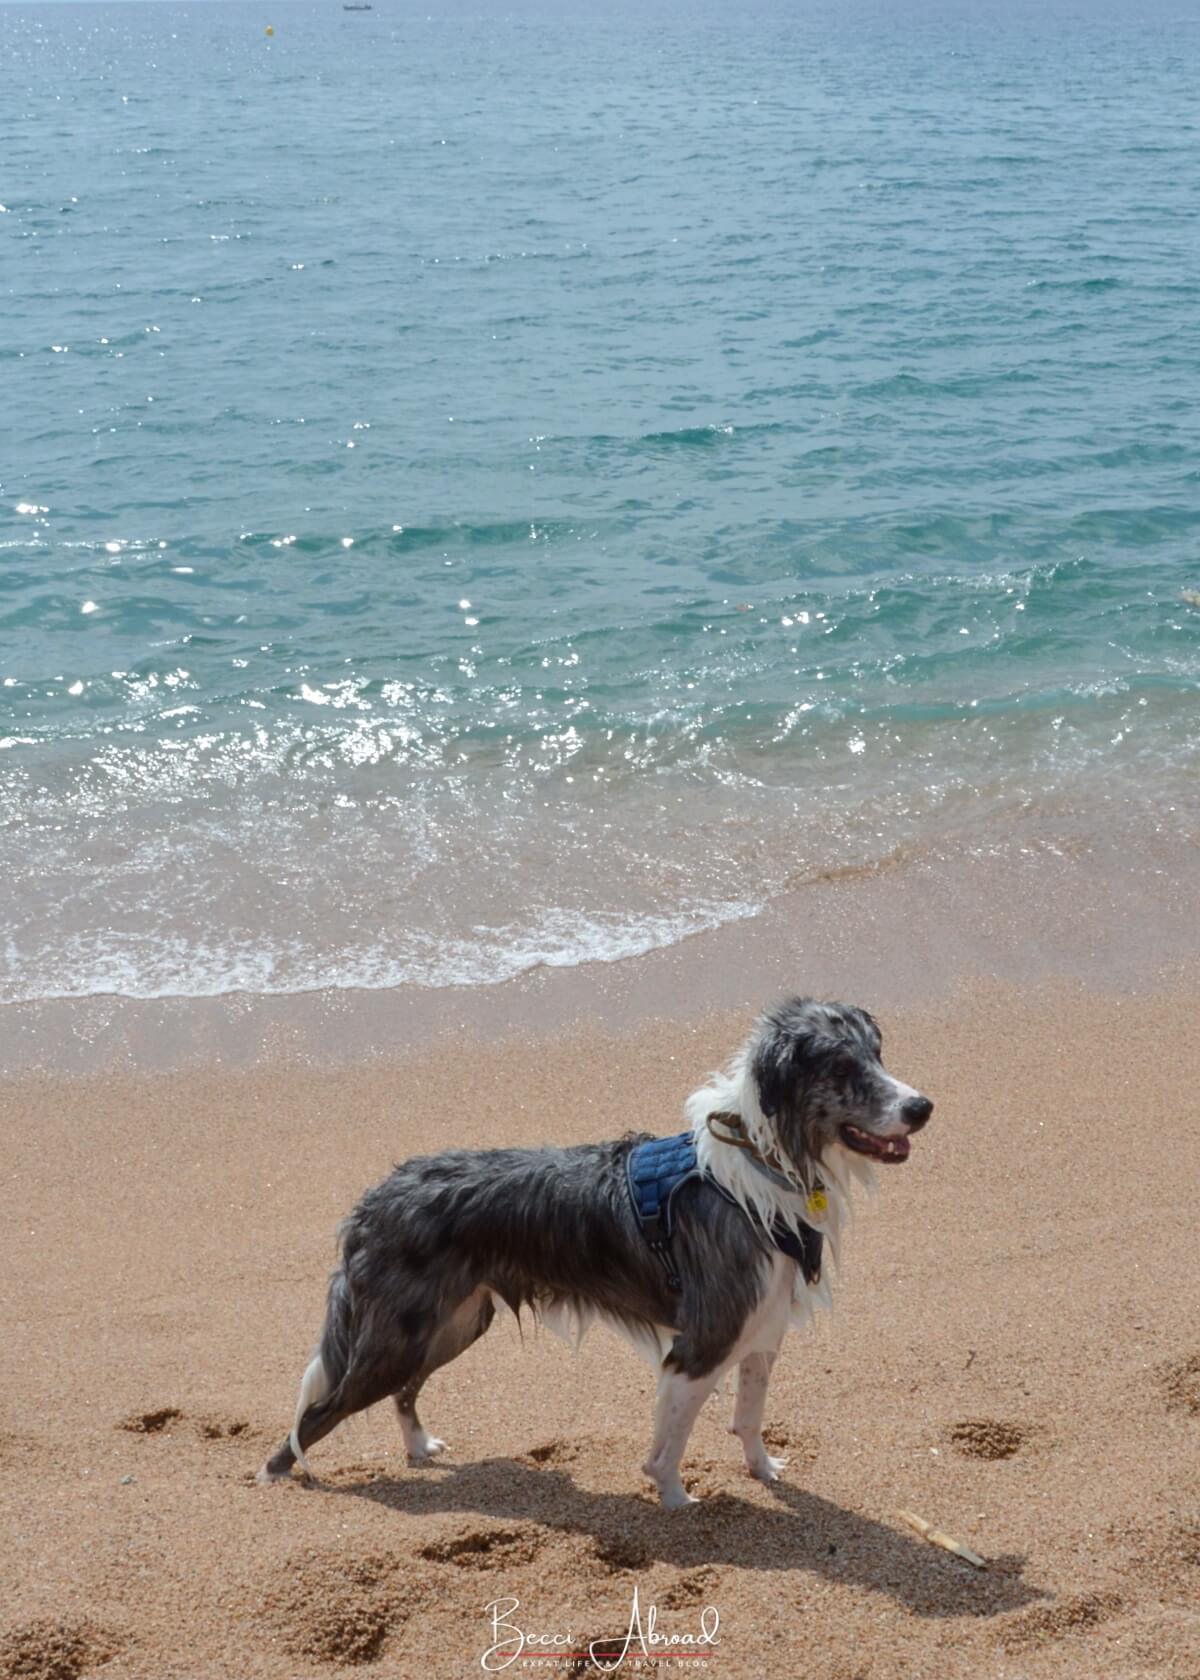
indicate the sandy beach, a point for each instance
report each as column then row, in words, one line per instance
column 530, row 534
column 1014, row 1355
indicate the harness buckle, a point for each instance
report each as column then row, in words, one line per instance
column 660, row 1247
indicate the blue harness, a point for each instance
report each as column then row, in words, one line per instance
column 656, row 1169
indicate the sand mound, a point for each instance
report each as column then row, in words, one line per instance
column 1181, row 1384
column 1054, row 1621
column 50, row 1649
column 339, row 1608
column 1168, row 1558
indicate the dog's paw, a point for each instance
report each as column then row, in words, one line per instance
column 424, row 1450
column 266, row 1477
column 766, row 1469
column 676, row 1499
column 671, row 1491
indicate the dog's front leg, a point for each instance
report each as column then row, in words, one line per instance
column 676, row 1410
column 754, row 1373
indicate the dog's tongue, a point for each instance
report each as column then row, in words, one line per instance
column 879, row 1149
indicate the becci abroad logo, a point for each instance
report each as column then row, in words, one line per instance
column 640, row 1639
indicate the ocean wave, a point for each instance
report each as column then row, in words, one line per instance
column 372, row 614
column 159, row 964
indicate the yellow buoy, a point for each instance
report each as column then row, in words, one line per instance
column 270, row 29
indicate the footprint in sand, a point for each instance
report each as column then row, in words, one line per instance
column 800, row 1445
column 150, row 1423
column 698, row 1586
column 990, row 1438
column 553, row 1452
column 484, row 1548
column 209, row 1428
column 222, row 1429
column 616, row 1554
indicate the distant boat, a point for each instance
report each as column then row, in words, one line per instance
column 355, row 6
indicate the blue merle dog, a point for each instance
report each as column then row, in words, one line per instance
column 699, row 1249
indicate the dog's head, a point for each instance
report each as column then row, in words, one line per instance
column 822, row 1086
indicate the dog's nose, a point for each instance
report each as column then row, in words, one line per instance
column 915, row 1112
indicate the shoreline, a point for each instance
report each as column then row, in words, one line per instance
column 1099, row 911
column 1013, row 1311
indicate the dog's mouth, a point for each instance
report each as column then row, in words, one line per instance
column 878, row 1148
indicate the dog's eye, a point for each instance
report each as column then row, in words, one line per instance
column 854, row 1065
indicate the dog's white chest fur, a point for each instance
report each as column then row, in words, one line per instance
column 824, row 1207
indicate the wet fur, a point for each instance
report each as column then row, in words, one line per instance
column 427, row 1253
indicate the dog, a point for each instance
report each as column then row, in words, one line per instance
column 700, row 1250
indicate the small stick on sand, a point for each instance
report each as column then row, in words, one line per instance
column 935, row 1537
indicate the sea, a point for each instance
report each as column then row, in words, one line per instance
column 486, row 487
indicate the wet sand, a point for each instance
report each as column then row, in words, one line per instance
column 1014, row 1355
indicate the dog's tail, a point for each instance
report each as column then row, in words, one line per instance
column 331, row 1360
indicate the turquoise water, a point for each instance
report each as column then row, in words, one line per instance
column 481, row 491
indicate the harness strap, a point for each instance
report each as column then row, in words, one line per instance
column 660, row 1247
column 655, row 1170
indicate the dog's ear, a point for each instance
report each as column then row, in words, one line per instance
column 777, row 1065
column 874, row 1030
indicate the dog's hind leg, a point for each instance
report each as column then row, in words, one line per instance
column 466, row 1325
column 754, row 1373
column 379, row 1368
column 676, row 1410
column 314, row 1386
column 358, row 1389
column 382, row 1358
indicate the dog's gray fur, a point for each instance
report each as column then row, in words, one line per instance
column 425, row 1252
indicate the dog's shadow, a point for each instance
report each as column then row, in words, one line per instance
column 803, row 1532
